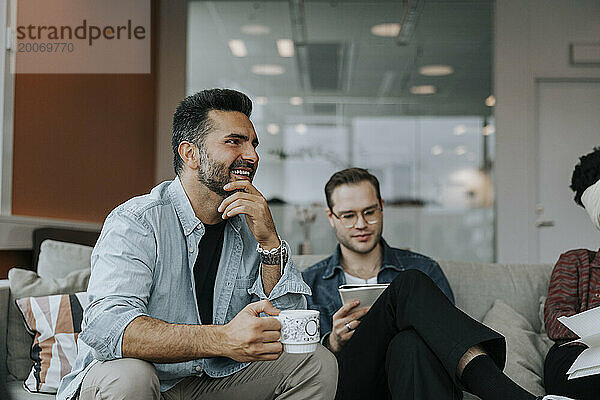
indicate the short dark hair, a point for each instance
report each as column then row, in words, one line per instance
column 349, row 176
column 191, row 122
column 586, row 173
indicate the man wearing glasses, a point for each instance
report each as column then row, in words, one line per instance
column 413, row 343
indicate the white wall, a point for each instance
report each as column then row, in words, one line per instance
column 532, row 40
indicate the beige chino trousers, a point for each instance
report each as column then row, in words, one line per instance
column 290, row 377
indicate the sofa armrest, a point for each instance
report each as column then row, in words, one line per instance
column 4, row 304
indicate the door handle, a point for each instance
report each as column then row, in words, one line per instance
column 544, row 224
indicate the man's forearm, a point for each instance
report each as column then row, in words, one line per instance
column 154, row 340
column 270, row 276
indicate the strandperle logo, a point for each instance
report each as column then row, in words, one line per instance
column 82, row 37
column 82, row 32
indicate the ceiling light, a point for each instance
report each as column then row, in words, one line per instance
column 296, row 101
column 267, row 69
column 437, row 150
column 261, row 100
column 460, row 130
column 436, row 70
column 301, row 129
column 273, row 129
column 386, row 30
column 423, row 89
column 460, row 150
column 255, row 29
column 238, row 48
column 488, row 130
column 285, row 47
column 490, row 101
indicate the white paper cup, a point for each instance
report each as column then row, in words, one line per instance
column 299, row 330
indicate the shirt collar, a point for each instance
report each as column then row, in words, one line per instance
column 185, row 212
column 390, row 260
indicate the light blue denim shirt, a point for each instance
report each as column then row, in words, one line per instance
column 143, row 265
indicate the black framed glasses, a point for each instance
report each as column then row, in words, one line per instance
column 349, row 219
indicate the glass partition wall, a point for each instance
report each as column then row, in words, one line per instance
column 402, row 88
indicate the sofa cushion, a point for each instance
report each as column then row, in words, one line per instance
column 15, row 391
column 55, row 322
column 525, row 348
column 57, row 259
column 476, row 286
column 25, row 283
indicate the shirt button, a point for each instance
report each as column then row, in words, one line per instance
column 228, row 283
column 198, row 368
column 191, row 249
column 597, row 295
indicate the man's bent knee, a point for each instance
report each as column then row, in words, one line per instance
column 125, row 378
column 409, row 278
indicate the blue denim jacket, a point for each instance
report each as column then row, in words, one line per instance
column 327, row 275
column 143, row 265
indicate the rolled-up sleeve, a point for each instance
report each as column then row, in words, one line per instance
column 289, row 291
column 120, row 283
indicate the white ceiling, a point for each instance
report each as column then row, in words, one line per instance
column 373, row 74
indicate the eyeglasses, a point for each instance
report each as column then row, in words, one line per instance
column 350, row 218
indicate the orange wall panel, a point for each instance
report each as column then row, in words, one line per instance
column 82, row 143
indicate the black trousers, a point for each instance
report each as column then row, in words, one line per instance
column 409, row 344
column 558, row 361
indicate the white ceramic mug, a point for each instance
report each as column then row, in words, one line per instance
column 299, row 330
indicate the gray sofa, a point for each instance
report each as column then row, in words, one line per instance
column 477, row 287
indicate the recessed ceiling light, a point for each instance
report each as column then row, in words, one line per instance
column 296, row 101
column 490, row 101
column 460, row 130
column 238, row 48
column 255, row 29
column 301, row 129
column 261, row 100
column 488, row 130
column 423, row 89
column 436, row 70
column 460, row 150
column 386, row 30
column 267, row 69
column 285, row 47
column 437, row 150
column 273, row 129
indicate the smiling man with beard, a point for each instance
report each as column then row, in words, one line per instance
column 412, row 343
column 180, row 276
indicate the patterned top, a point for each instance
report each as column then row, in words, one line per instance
column 574, row 287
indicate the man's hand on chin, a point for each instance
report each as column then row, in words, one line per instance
column 249, row 201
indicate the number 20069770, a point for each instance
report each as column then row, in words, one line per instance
column 51, row 47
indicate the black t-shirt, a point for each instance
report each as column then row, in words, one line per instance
column 205, row 269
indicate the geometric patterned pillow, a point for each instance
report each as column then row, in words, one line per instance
column 55, row 323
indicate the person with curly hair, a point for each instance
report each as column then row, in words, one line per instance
column 574, row 287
